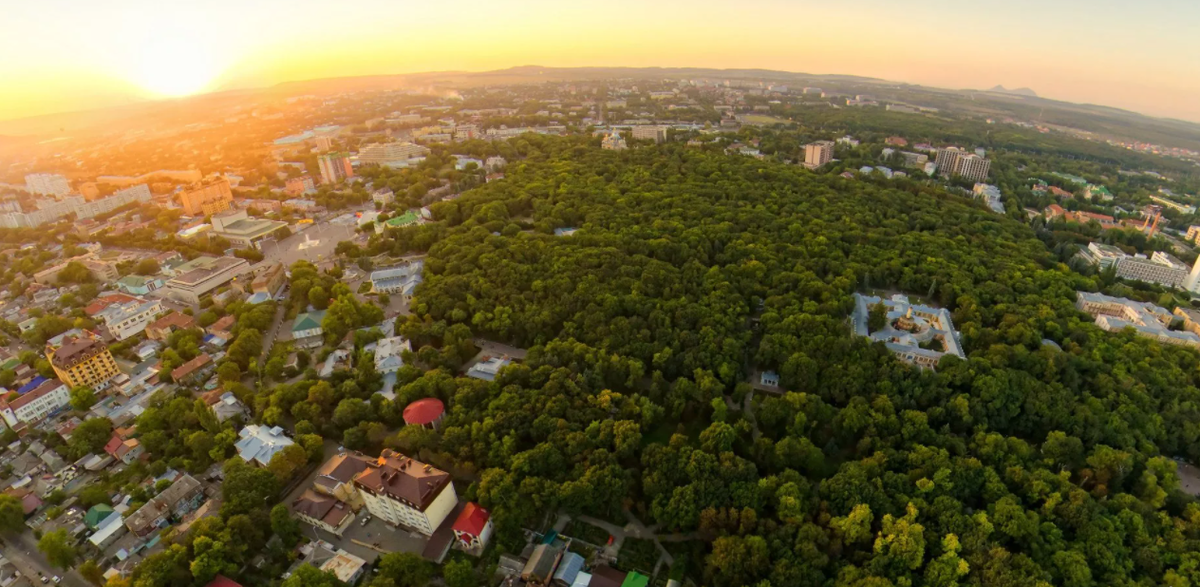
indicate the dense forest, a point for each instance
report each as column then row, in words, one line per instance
column 1021, row 465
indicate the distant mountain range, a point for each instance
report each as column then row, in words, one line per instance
column 1016, row 92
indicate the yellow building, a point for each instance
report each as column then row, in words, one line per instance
column 207, row 198
column 83, row 362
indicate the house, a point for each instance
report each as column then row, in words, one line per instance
column 193, row 370
column 258, row 444
column 181, row 498
column 336, row 476
column 345, row 566
column 221, row 326
column 129, row 451
column 402, row 280
column 223, row 581
column 108, row 532
column 769, row 379
column 569, row 567
column 540, row 567
column 226, row 406
column 306, row 330
column 163, row 327
column 388, row 354
column 473, row 528
column 324, row 512
column 336, row 357
column 488, row 368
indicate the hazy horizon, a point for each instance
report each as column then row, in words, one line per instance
column 94, row 56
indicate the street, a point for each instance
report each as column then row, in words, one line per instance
column 22, row 551
column 325, row 235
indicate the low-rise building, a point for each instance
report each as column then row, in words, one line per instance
column 336, row 476
column 138, row 285
column 126, row 320
column 324, row 512
column 307, row 332
column 1190, row 318
column 473, row 528
column 242, row 231
column 402, row 280
column 176, row 501
column 1115, row 314
column 194, row 370
column 488, row 368
column 163, row 327
column 259, row 444
column 207, row 275
column 910, row 330
column 388, row 351
column 403, row 491
column 1102, row 255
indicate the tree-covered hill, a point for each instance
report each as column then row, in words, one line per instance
column 1022, row 465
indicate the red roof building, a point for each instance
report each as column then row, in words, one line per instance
column 223, row 581
column 101, row 303
column 425, row 412
column 473, row 527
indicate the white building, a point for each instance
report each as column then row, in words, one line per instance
column 130, row 319
column 1102, row 255
column 383, row 197
column 488, row 368
column 650, row 132
column 258, row 444
column 205, row 274
column 403, row 491
column 908, row 329
column 388, row 354
column 1150, row 321
column 401, row 154
column 47, row 184
column 403, row 279
column 36, row 403
column 1160, row 268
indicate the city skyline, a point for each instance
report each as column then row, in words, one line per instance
column 92, row 56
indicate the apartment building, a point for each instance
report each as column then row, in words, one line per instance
column 650, row 132
column 400, row 154
column 33, row 405
column 207, row 198
column 818, row 153
column 335, row 167
column 47, row 184
column 403, row 491
column 82, row 361
column 954, row 161
column 128, row 319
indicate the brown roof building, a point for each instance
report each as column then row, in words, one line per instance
column 324, row 512
column 163, row 327
column 406, row 492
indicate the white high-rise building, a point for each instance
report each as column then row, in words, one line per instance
column 47, row 184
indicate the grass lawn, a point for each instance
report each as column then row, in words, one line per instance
column 763, row 119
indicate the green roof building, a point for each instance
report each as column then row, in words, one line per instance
column 97, row 514
column 635, row 579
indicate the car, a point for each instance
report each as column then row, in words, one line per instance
column 366, row 520
column 57, row 579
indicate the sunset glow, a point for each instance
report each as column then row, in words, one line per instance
column 137, row 49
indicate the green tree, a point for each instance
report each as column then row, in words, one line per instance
column 91, row 572
column 83, row 398
column 12, row 514
column 58, row 546
column 405, row 569
column 459, row 573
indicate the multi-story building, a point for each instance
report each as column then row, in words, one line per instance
column 207, row 275
column 972, row 167
column 299, row 185
column 82, row 361
column 400, row 154
column 403, row 491
column 1102, row 255
column 383, row 196
column 915, row 160
column 916, row 334
column 134, row 194
column 269, row 280
column 1150, row 321
column 335, row 167
column 1190, row 318
column 1161, row 268
column 1193, row 234
column 954, row 161
column 47, row 184
column 207, row 198
column 128, row 319
column 176, row 501
column 242, row 231
column 35, row 404
column 650, row 132
column 818, row 153
column 307, row 332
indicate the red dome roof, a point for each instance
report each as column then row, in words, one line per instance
column 424, row 411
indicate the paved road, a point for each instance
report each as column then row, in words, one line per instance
column 326, row 235
column 22, row 550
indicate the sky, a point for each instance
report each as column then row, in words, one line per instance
column 67, row 55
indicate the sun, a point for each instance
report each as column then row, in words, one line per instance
column 175, row 63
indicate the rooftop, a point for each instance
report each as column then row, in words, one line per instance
column 258, row 444
column 404, row 478
column 424, row 411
